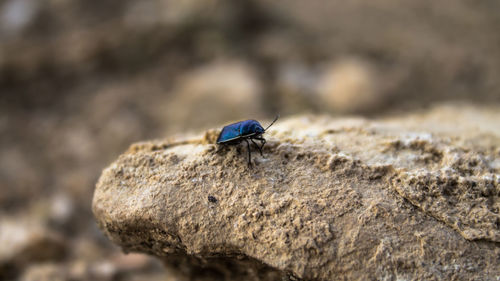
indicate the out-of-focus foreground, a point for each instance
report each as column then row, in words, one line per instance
column 80, row 80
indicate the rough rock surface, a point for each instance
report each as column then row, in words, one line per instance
column 407, row 198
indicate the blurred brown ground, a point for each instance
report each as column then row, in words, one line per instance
column 82, row 79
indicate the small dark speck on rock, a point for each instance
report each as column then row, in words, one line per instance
column 212, row 199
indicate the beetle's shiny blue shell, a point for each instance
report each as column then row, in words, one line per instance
column 239, row 130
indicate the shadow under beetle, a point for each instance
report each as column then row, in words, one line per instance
column 235, row 133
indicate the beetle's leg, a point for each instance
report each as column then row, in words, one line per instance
column 249, row 153
column 219, row 147
column 260, row 149
column 262, row 141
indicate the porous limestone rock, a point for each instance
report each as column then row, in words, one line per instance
column 402, row 198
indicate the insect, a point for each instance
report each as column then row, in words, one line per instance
column 212, row 199
column 235, row 133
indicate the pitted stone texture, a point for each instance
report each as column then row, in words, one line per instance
column 400, row 198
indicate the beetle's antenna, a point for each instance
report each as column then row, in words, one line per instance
column 277, row 116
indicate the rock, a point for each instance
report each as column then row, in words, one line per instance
column 349, row 86
column 17, row 15
column 296, row 85
column 221, row 90
column 44, row 272
column 26, row 240
column 413, row 197
column 115, row 267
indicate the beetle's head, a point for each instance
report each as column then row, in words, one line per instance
column 257, row 129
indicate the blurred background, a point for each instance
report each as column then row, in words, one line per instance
column 80, row 80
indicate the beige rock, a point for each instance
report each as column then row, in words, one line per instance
column 349, row 86
column 220, row 90
column 410, row 198
column 44, row 272
column 24, row 241
column 296, row 84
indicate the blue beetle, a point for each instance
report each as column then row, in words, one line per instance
column 235, row 133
